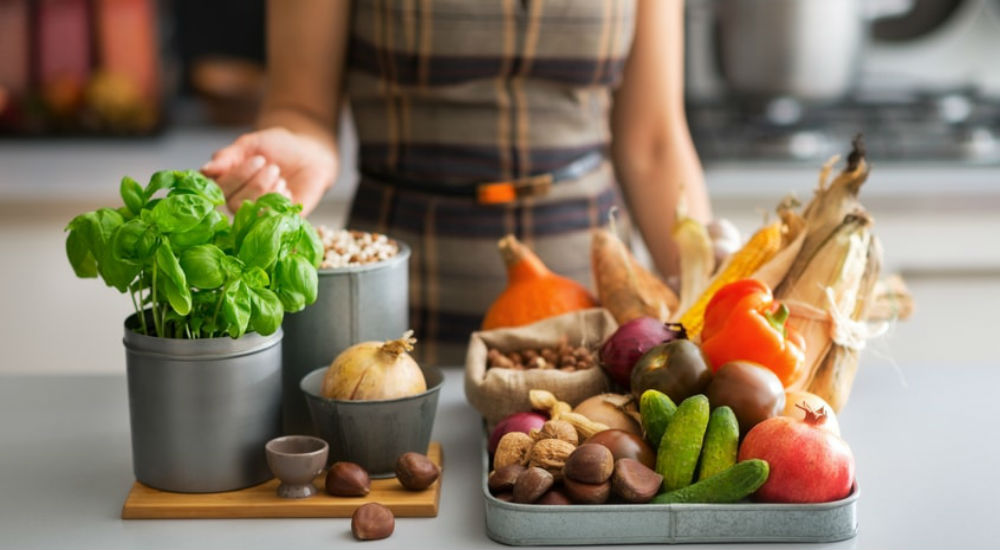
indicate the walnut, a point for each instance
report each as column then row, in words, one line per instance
column 557, row 429
column 513, row 448
column 551, row 455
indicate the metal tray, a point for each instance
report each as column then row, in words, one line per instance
column 527, row 524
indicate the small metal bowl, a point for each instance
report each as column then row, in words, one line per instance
column 374, row 433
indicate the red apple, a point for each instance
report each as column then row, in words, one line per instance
column 807, row 462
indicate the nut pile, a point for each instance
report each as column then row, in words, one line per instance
column 564, row 357
column 534, row 469
column 345, row 248
column 374, row 521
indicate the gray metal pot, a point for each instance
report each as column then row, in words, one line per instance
column 374, row 433
column 354, row 304
column 807, row 49
column 202, row 410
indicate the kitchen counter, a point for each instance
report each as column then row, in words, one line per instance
column 925, row 451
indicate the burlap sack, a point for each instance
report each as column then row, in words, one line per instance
column 497, row 393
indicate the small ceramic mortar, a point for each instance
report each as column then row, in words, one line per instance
column 296, row 460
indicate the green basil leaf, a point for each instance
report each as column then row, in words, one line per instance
column 96, row 231
column 237, row 307
column 135, row 242
column 308, row 245
column 164, row 179
column 243, row 220
column 262, row 243
column 295, row 282
column 80, row 257
column 267, row 311
column 180, row 213
column 179, row 298
column 132, row 194
column 194, row 183
column 255, row 277
column 202, row 265
column 170, row 268
column 232, row 267
column 278, row 203
column 203, row 233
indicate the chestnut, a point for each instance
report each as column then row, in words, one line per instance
column 623, row 444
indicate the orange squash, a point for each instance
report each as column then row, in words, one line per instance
column 533, row 291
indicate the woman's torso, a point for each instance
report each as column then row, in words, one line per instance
column 459, row 91
column 456, row 92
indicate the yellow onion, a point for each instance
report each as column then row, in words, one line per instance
column 375, row 370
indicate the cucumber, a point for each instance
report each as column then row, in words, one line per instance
column 680, row 446
column 732, row 485
column 656, row 410
column 721, row 443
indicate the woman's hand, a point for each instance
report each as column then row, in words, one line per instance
column 274, row 160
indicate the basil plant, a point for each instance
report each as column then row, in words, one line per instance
column 191, row 272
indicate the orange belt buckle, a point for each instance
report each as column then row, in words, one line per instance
column 508, row 191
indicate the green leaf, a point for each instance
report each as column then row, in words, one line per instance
column 295, row 282
column 262, row 243
column 135, row 242
column 164, row 179
column 278, row 203
column 203, row 233
column 95, row 232
column 194, row 183
column 180, row 213
column 80, row 257
column 202, row 265
column 255, row 277
column 267, row 311
column 237, row 307
column 243, row 221
column 132, row 194
column 232, row 267
column 180, row 295
column 308, row 245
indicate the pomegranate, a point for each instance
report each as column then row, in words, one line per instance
column 808, row 463
column 517, row 422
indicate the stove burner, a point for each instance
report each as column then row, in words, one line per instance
column 954, row 125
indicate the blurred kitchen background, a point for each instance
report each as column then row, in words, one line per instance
column 91, row 90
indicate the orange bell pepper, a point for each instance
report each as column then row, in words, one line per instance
column 743, row 322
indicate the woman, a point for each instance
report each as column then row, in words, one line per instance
column 449, row 98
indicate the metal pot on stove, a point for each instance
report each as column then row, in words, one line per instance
column 806, row 49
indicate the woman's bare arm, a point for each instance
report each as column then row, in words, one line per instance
column 306, row 49
column 651, row 144
column 294, row 150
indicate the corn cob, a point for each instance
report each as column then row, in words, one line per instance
column 834, row 376
column 697, row 257
column 828, row 207
column 838, row 264
column 761, row 247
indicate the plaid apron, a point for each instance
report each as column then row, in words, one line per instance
column 451, row 93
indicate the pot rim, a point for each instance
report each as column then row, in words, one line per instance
column 401, row 256
column 432, row 370
column 195, row 349
column 271, row 445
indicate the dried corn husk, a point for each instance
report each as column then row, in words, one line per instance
column 793, row 234
column 697, row 257
column 828, row 283
column 830, row 204
column 892, row 301
column 833, row 377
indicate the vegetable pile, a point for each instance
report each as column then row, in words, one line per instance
column 737, row 379
column 189, row 271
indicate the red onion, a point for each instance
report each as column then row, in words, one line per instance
column 517, row 422
column 624, row 348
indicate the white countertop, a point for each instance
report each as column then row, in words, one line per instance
column 926, row 454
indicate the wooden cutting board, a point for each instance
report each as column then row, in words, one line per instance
column 261, row 501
